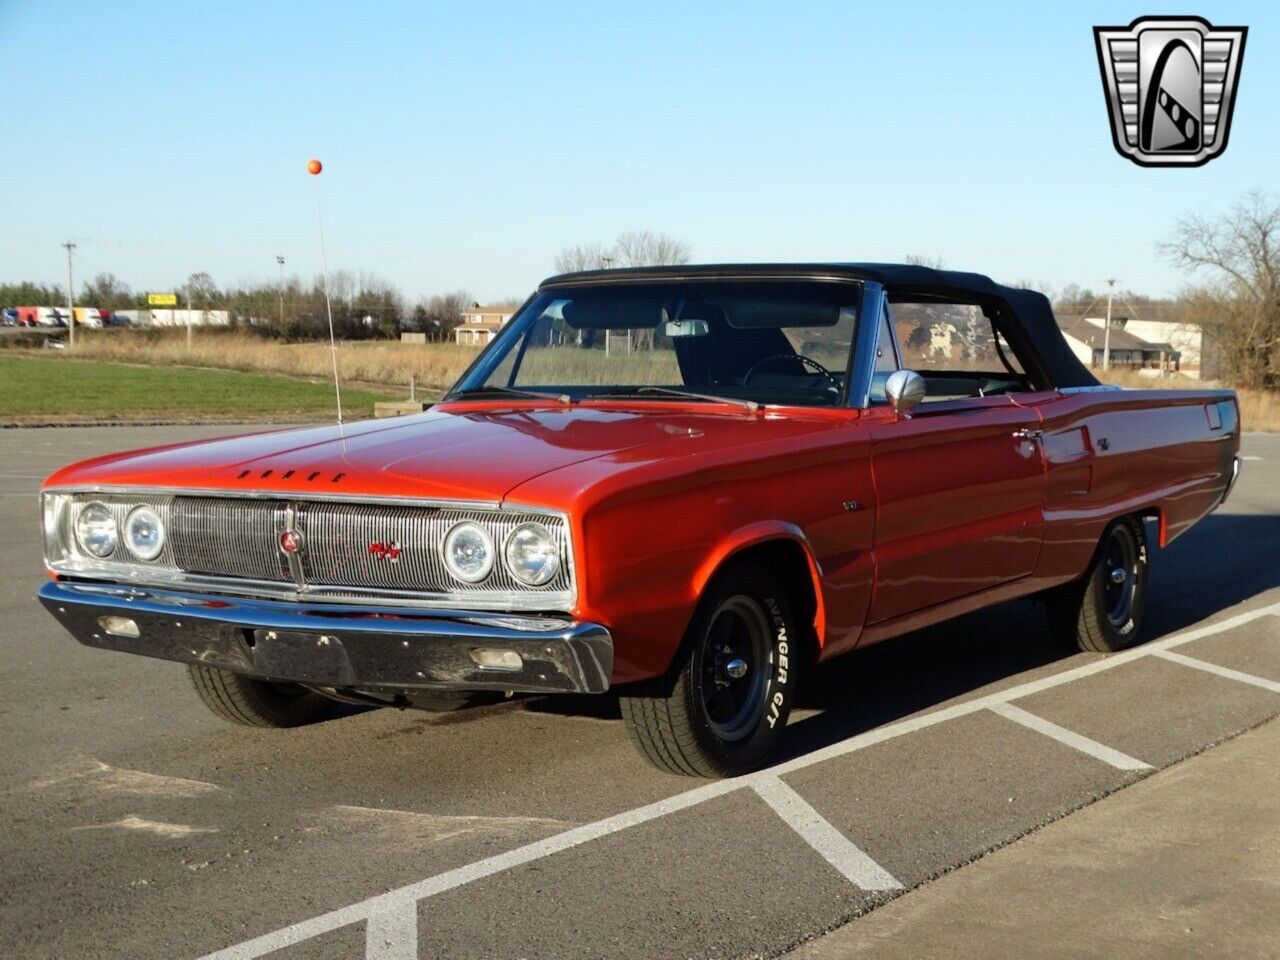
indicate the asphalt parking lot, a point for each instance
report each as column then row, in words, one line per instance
column 137, row 825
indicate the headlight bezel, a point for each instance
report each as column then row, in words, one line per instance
column 107, row 522
column 490, row 552
column 151, row 554
column 552, row 552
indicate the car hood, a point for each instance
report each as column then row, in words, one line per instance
column 450, row 452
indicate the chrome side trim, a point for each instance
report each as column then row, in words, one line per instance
column 1092, row 388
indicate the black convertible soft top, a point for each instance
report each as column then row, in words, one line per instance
column 1024, row 317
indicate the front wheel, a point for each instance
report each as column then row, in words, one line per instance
column 1102, row 611
column 260, row 703
column 726, row 705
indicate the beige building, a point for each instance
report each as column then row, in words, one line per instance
column 1148, row 347
column 480, row 324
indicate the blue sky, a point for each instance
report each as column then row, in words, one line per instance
column 465, row 144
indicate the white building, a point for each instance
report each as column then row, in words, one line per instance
column 1147, row 346
column 177, row 317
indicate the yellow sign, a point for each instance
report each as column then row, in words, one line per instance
column 162, row 299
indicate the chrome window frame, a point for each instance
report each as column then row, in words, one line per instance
column 532, row 601
column 873, row 302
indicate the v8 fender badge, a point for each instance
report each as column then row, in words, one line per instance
column 1170, row 84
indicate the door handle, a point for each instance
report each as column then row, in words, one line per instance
column 1024, row 434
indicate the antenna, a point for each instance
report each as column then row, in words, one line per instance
column 314, row 167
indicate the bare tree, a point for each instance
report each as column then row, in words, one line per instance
column 583, row 256
column 644, row 248
column 1240, row 304
column 200, row 288
column 920, row 260
column 439, row 314
column 108, row 292
column 635, row 248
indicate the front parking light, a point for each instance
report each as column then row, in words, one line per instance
column 490, row 658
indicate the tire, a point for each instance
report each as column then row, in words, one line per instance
column 260, row 703
column 706, row 718
column 1102, row 611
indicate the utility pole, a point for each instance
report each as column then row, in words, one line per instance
column 71, row 298
column 280, row 261
column 1106, row 333
column 189, row 335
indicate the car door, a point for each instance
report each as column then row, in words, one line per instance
column 959, row 483
column 960, row 502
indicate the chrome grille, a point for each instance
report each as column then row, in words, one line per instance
column 338, row 537
column 233, row 543
column 228, row 538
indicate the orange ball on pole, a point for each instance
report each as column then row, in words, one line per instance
column 314, row 167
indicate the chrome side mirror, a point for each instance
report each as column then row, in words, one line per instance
column 904, row 388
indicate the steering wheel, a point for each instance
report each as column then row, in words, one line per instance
column 803, row 360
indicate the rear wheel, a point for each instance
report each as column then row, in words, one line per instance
column 726, row 705
column 260, row 703
column 1102, row 611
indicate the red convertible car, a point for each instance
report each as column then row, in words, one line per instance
column 687, row 485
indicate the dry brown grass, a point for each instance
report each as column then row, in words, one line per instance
column 435, row 365
column 1259, row 409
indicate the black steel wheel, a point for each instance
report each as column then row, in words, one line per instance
column 1102, row 611
column 725, row 703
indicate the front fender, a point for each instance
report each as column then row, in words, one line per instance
column 754, row 535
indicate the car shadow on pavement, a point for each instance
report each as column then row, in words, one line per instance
column 1222, row 561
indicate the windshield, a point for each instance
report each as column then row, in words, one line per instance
column 762, row 341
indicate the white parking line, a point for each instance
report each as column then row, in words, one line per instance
column 393, row 934
column 1227, row 672
column 403, row 897
column 1099, row 751
column 856, row 867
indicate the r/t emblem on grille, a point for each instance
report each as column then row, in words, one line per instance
column 386, row 551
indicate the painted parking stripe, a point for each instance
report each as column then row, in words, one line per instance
column 498, row 863
column 393, row 934
column 1227, row 672
column 1099, row 751
column 856, row 867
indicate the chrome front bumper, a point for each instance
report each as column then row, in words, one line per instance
column 334, row 645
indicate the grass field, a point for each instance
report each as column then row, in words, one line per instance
column 366, row 367
column 39, row 389
column 1259, row 409
column 434, row 366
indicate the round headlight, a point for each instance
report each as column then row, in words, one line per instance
column 96, row 529
column 533, row 556
column 144, row 533
column 468, row 552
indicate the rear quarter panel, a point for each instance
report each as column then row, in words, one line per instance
column 1112, row 453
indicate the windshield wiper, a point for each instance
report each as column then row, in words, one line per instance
column 687, row 394
column 496, row 390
